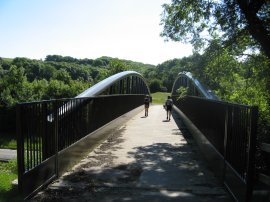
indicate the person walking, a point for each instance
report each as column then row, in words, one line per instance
column 146, row 104
column 168, row 107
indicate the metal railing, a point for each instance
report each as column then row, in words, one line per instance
column 127, row 82
column 195, row 87
column 227, row 127
column 52, row 134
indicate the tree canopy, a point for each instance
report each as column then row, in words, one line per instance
column 23, row 79
column 243, row 24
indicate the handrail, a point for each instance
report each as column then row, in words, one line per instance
column 106, row 83
column 99, row 88
column 204, row 91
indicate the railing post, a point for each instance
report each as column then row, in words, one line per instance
column 111, row 90
column 225, row 141
column 136, row 85
column 128, row 85
column 20, row 147
column 44, row 138
column 251, row 151
column 55, row 132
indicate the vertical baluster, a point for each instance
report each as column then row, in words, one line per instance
column 128, row 85
column 75, row 119
column 65, row 138
column 42, row 129
column 20, row 146
column 35, row 134
column 244, row 126
column 74, row 134
column 30, row 139
column 241, row 141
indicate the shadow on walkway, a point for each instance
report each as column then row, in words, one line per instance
column 158, row 172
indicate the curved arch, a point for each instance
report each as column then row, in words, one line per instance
column 195, row 87
column 127, row 82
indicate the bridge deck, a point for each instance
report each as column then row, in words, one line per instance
column 147, row 159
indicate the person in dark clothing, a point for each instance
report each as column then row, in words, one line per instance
column 146, row 104
column 168, row 107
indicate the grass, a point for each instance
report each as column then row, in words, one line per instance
column 159, row 97
column 8, row 173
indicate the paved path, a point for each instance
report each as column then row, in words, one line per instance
column 7, row 154
column 147, row 159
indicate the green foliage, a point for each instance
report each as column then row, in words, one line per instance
column 117, row 66
column 12, row 86
column 182, row 92
column 7, row 141
column 23, row 79
column 159, row 97
column 237, row 23
column 155, row 85
column 9, row 167
column 7, row 175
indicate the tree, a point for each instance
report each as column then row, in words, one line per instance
column 12, row 87
column 155, row 85
column 235, row 21
column 116, row 66
column 62, row 75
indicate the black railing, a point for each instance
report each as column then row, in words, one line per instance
column 127, row 82
column 225, row 132
column 53, row 135
column 194, row 86
column 46, row 128
column 231, row 129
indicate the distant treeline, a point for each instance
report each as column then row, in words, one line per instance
column 24, row 80
column 243, row 80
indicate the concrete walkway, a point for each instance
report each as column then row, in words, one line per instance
column 7, row 154
column 147, row 159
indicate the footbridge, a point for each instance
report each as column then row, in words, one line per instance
column 129, row 157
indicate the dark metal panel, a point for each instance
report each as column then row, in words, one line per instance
column 210, row 153
column 207, row 116
column 231, row 129
column 234, row 183
column 34, row 179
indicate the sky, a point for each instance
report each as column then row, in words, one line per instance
column 124, row 29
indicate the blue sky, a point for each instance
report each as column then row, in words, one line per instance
column 126, row 29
